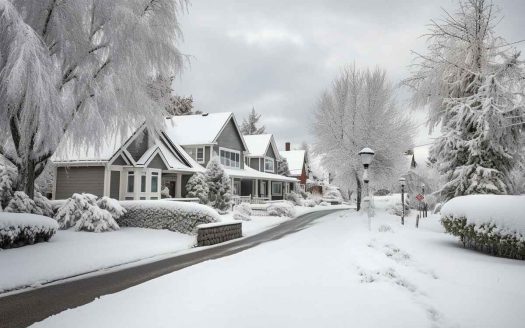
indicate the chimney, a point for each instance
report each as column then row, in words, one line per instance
column 287, row 146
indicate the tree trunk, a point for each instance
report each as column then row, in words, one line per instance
column 26, row 178
column 358, row 183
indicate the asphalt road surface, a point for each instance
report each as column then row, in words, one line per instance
column 24, row 309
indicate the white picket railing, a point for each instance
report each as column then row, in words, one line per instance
column 236, row 200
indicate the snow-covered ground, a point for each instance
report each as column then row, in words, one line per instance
column 333, row 274
column 72, row 254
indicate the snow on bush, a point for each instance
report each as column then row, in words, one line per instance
column 397, row 209
column 81, row 212
column 44, row 204
column 281, row 209
column 21, row 203
column 242, row 212
column 332, row 195
column 295, row 198
column 197, row 187
column 160, row 214
column 310, row 203
column 492, row 224
column 7, row 174
column 19, row 229
column 112, row 206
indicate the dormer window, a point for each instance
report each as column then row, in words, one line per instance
column 200, row 155
column 269, row 165
column 230, row 158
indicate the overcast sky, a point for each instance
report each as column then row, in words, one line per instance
column 279, row 56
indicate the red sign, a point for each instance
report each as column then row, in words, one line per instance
column 420, row 197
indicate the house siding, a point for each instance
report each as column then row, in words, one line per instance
column 157, row 163
column 72, row 180
column 119, row 161
column 139, row 146
column 254, row 163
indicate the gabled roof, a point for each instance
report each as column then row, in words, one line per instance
column 110, row 142
column 258, row 144
column 296, row 160
column 171, row 161
column 198, row 129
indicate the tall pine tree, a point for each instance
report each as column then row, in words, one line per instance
column 473, row 83
column 249, row 125
column 219, row 184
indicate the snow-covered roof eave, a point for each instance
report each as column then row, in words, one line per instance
column 254, row 174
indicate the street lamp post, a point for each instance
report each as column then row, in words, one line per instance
column 423, row 203
column 402, row 181
column 367, row 155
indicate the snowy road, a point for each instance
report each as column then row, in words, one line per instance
column 23, row 309
column 334, row 274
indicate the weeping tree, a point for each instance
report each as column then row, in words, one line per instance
column 472, row 82
column 359, row 111
column 74, row 69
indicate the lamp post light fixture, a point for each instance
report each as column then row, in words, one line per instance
column 402, row 182
column 367, row 155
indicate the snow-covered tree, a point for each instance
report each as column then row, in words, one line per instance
column 161, row 91
column 249, row 124
column 197, row 187
column 77, row 67
column 282, row 167
column 472, row 81
column 359, row 111
column 81, row 212
column 219, row 184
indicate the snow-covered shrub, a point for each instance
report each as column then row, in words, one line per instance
column 219, row 184
column 382, row 192
column 332, row 195
column 21, row 203
column 281, row 209
column 492, row 224
column 310, row 203
column 44, row 204
column 397, row 209
column 165, row 192
column 197, row 187
column 163, row 214
column 295, row 198
column 19, row 229
column 324, row 204
column 7, row 174
column 242, row 212
column 112, row 206
column 315, row 197
column 82, row 213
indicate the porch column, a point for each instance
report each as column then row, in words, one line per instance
column 269, row 191
column 178, row 186
column 256, row 188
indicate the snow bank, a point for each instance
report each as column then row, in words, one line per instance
column 18, row 229
column 506, row 212
column 158, row 214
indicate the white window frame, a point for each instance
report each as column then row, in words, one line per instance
column 200, row 161
column 137, row 192
column 280, row 184
column 230, row 151
column 270, row 160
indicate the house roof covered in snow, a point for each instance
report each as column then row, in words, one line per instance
column 248, row 172
column 102, row 151
column 198, row 129
column 258, row 144
column 296, row 160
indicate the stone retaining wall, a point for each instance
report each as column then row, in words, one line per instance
column 217, row 233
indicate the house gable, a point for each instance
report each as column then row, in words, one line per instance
column 119, row 161
column 230, row 137
column 139, row 145
column 157, row 163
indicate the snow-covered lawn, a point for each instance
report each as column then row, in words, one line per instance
column 333, row 274
column 71, row 254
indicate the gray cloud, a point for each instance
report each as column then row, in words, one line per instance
column 280, row 55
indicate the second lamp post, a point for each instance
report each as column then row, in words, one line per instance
column 367, row 155
column 402, row 182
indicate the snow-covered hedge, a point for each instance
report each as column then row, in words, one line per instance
column 332, row 195
column 493, row 224
column 161, row 214
column 19, row 229
column 242, row 212
column 85, row 212
column 281, row 209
